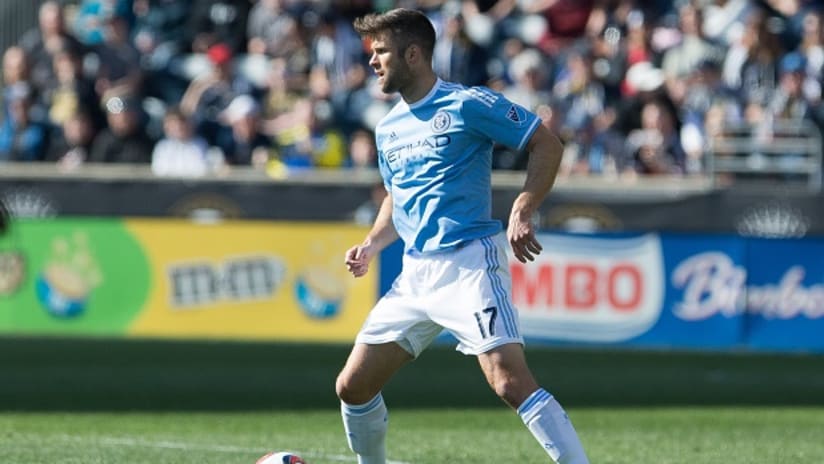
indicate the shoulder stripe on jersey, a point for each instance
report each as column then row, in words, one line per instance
column 484, row 96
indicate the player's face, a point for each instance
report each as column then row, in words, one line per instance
column 389, row 64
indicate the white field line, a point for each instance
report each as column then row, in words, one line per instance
column 177, row 445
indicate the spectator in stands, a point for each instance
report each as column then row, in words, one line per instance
column 180, row 153
column 724, row 19
column 706, row 90
column 811, row 47
column 240, row 138
column 500, row 63
column 209, row 94
column 751, row 64
column 580, row 97
column 310, row 141
column 320, row 83
column 124, row 140
column 158, row 35
column 22, row 137
column 213, row 22
column 119, row 60
column 788, row 16
column 617, row 39
column 91, row 16
column 282, row 90
column 529, row 79
column 655, row 148
column 718, row 123
column 566, row 21
column 644, row 84
column 72, row 141
column 456, row 57
column 681, row 60
column 789, row 101
column 159, row 25
column 272, row 30
column 43, row 41
column 637, row 43
column 334, row 48
column 352, row 106
column 70, row 91
column 596, row 148
column 640, row 54
column 363, row 153
column 15, row 70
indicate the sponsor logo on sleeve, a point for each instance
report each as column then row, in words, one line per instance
column 516, row 114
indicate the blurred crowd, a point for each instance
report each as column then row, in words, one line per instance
column 193, row 87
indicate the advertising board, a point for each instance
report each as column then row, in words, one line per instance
column 176, row 278
column 694, row 291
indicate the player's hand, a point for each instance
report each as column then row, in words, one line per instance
column 357, row 260
column 521, row 235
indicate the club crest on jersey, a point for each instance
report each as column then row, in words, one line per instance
column 441, row 121
column 516, row 114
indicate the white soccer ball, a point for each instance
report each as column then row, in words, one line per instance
column 281, row 457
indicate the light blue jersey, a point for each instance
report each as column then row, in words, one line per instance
column 435, row 157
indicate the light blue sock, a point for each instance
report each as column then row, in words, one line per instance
column 365, row 427
column 550, row 425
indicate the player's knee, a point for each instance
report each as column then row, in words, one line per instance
column 342, row 388
column 512, row 390
column 350, row 392
column 505, row 388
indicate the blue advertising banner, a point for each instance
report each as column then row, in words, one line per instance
column 785, row 294
column 701, row 305
column 667, row 290
column 646, row 290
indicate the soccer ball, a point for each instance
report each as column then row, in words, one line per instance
column 281, row 457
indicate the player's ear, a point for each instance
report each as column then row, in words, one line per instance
column 412, row 53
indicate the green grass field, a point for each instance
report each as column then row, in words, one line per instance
column 103, row 401
column 455, row 436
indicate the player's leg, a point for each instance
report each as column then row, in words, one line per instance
column 395, row 332
column 358, row 386
column 367, row 370
column 507, row 372
column 485, row 322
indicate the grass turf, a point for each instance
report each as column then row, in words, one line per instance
column 149, row 401
column 685, row 435
column 50, row 374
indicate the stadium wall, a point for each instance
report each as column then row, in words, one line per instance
column 282, row 281
column 249, row 258
column 667, row 290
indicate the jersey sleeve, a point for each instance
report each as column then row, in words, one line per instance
column 490, row 114
column 383, row 167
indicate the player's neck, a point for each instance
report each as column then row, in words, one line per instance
column 419, row 88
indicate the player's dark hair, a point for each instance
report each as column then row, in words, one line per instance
column 407, row 27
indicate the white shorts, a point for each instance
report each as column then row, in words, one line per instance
column 466, row 291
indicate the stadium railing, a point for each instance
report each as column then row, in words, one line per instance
column 782, row 149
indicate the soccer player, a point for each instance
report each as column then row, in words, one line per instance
column 435, row 149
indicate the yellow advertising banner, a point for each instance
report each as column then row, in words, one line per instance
column 252, row 280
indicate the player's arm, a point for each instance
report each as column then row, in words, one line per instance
column 379, row 237
column 545, row 151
